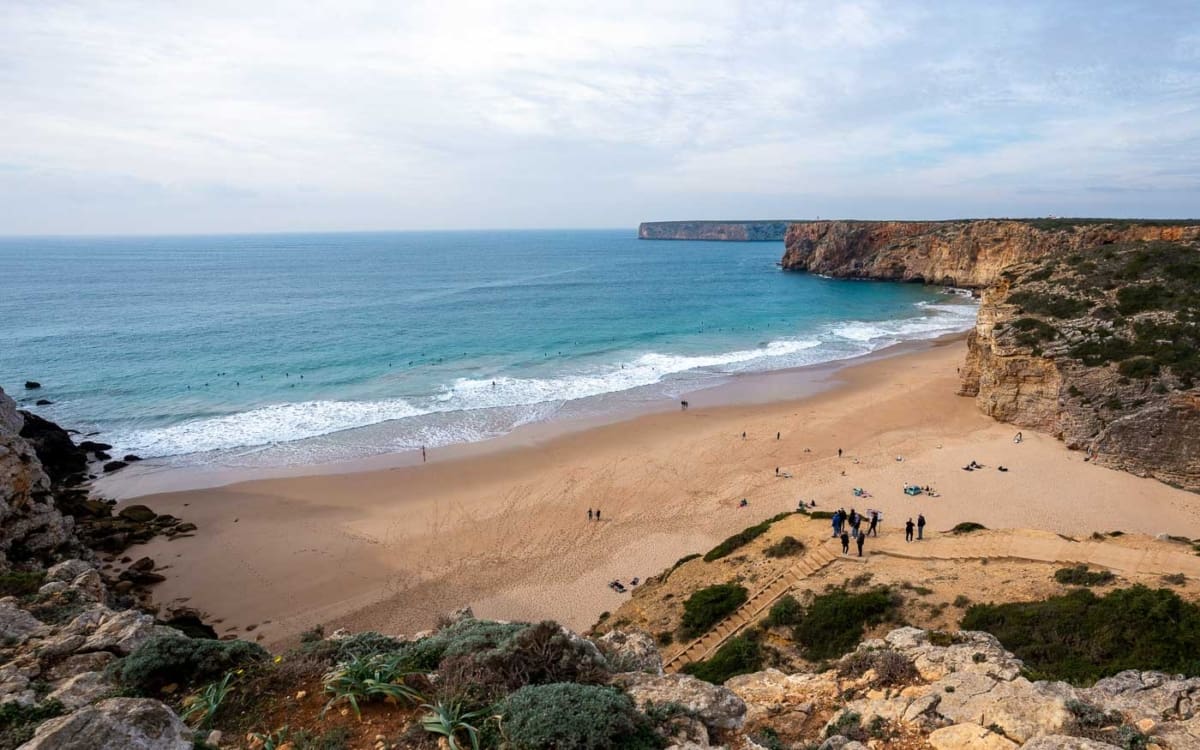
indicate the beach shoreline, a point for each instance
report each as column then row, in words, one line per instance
column 154, row 476
column 505, row 530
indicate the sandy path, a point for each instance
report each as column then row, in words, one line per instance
column 507, row 532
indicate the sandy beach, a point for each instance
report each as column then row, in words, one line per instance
column 506, row 531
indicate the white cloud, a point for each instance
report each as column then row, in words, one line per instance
column 224, row 116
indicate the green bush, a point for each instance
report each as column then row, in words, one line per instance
column 468, row 636
column 1138, row 367
column 787, row 611
column 739, row 655
column 187, row 662
column 1079, row 575
column 834, row 622
column 567, row 715
column 849, row 725
column 709, row 605
column 742, row 538
column 367, row 643
column 18, row 723
column 785, row 547
column 17, row 583
column 1081, row 637
column 967, row 527
column 362, row 679
column 1054, row 305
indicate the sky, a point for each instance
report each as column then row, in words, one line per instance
column 212, row 116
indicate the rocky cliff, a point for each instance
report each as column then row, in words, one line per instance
column 952, row 253
column 1100, row 348
column 730, row 231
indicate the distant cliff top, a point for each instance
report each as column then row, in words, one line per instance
column 756, row 230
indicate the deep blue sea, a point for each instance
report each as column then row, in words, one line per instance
column 311, row 347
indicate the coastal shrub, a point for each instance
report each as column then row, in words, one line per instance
column 367, row 643
column 469, row 636
column 1031, row 331
column 1175, row 579
column 967, row 527
column 18, row 723
column 451, row 721
column 1079, row 575
column 742, row 538
column 568, row 715
column 785, row 547
column 709, row 605
column 1138, row 367
column 1054, row 305
column 821, row 515
column 363, row 679
column 891, row 667
column 1080, row 637
column 1142, row 297
column 166, row 660
column 834, row 622
column 337, row 738
column 785, row 612
column 739, row 655
column 848, row 724
column 18, row 583
column 1092, row 722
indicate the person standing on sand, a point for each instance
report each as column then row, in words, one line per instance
column 920, row 526
column 777, row 435
column 743, row 435
column 597, row 514
column 874, row 530
column 839, row 452
column 589, row 514
column 422, row 454
column 845, row 543
column 833, row 521
column 859, row 541
column 908, row 530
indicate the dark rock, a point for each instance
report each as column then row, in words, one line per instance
column 166, row 519
column 32, row 385
column 141, row 577
column 44, row 402
column 138, row 513
column 112, row 466
column 92, row 447
column 101, row 456
column 184, row 528
column 123, row 587
column 189, row 623
column 131, row 457
column 144, row 563
column 60, row 457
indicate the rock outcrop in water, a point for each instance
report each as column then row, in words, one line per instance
column 1101, row 349
column 952, row 253
column 730, row 231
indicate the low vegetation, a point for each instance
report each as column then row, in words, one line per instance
column 567, row 715
column 834, row 622
column 785, row 612
column 184, row 662
column 967, row 527
column 890, row 667
column 17, row 583
column 1080, row 637
column 742, row 538
column 1079, row 575
column 710, row 605
column 17, row 722
column 786, row 547
column 739, row 655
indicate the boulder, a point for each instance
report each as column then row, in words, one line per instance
column 112, row 466
column 1152, row 695
column 131, row 458
column 16, row 624
column 53, row 587
column 970, row 652
column 90, row 585
column 631, row 651
column 80, row 690
column 785, row 701
column 32, row 385
column 114, row 724
column 122, row 632
column 60, row 457
column 78, row 664
column 43, row 402
column 68, row 570
column 1023, row 709
column 137, row 513
column 92, row 446
column 717, row 706
column 28, row 515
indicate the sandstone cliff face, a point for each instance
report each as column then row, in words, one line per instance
column 727, row 231
column 1099, row 350
column 30, row 524
column 952, row 253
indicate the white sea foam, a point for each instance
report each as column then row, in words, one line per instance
column 470, row 409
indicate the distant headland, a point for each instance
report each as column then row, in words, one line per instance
column 756, row 230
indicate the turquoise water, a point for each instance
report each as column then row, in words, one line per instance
column 322, row 346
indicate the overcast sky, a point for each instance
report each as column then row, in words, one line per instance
column 213, row 116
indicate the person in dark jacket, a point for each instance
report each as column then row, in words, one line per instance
column 874, row 530
column 920, row 527
column 859, row 541
column 908, row 531
column 845, row 543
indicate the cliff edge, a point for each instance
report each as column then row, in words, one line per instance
column 1100, row 348
column 953, row 253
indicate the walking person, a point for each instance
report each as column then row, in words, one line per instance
column 859, row 541
column 920, row 527
column 834, row 523
column 422, row 454
column 845, row 543
column 777, row 435
column 589, row 514
column 597, row 514
column 839, row 452
column 874, row 529
column 908, row 531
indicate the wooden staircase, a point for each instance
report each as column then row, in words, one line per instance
column 754, row 607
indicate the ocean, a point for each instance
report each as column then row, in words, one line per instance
column 301, row 348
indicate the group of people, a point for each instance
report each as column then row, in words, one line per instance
column 593, row 516
column 920, row 526
column 619, row 587
column 849, row 525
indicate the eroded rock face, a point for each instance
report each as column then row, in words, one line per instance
column 631, row 651
column 114, row 724
column 718, row 707
column 1058, row 348
column 952, row 253
column 30, row 524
